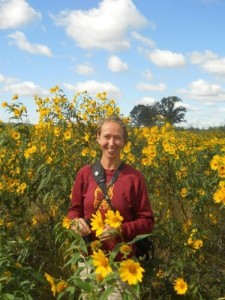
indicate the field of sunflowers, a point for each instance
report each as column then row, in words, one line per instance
column 41, row 257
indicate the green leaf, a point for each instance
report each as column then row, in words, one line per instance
column 84, row 285
column 8, row 297
column 74, row 259
column 37, row 276
column 140, row 237
column 108, row 291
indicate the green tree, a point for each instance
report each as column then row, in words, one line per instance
column 165, row 110
column 170, row 111
column 143, row 115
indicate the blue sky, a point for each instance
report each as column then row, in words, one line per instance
column 138, row 51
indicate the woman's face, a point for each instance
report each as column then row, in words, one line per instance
column 111, row 140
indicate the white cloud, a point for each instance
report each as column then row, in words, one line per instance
column 146, row 101
column 26, row 88
column 19, row 39
column 83, row 69
column 209, row 62
column 93, row 87
column 215, row 66
column 147, row 41
column 166, row 58
column 15, row 13
column 104, row 27
column 4, row 79
column 203, row 88
column 188, row 107
column 199, row 57
column 205, row 91
column 151, row 87
column 115, row 64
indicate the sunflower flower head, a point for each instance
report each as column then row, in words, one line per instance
column 214, row 163
column 67, row 135
column 66, row 222
column 51, row 281
column 97, row 223
column 125, row 249
column 197, row 244
column 95, row 245
column 113, row 219
column 180, row 286
column 101, row 262
column 99, row 277
column 16, row 135
column 61, row 286
column 219, row 195
column 131, row 271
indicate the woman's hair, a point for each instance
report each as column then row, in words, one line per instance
column 117, row 120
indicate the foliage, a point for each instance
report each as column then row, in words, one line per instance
column 144, row 115
column 170, row 111
column 185, row 175
column 165, row 110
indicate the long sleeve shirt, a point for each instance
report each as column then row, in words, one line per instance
column 128, row 195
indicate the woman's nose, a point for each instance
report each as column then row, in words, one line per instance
column 111, row 141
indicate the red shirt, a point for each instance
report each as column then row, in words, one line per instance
column 128, row 195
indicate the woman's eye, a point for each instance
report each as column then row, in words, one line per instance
column 116, row 138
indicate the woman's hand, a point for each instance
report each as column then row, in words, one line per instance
column 80, row 226
column 108, row 234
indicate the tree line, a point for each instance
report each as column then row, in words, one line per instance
column 165, row 110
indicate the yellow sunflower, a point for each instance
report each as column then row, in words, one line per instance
column 66, row 222
column 61, row 286
column 131, row 271
column 95, row 245
column 101, row 262
column 51, row 281
column 180, row 286
column 113, row 219
column 97, row 223
column 125, row 249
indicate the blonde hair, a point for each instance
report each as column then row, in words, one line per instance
column 117, row 120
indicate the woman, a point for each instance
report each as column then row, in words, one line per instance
column 128, row 194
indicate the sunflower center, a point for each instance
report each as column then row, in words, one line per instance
column 182, row 285
column 133, row 269
column 104, row 263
